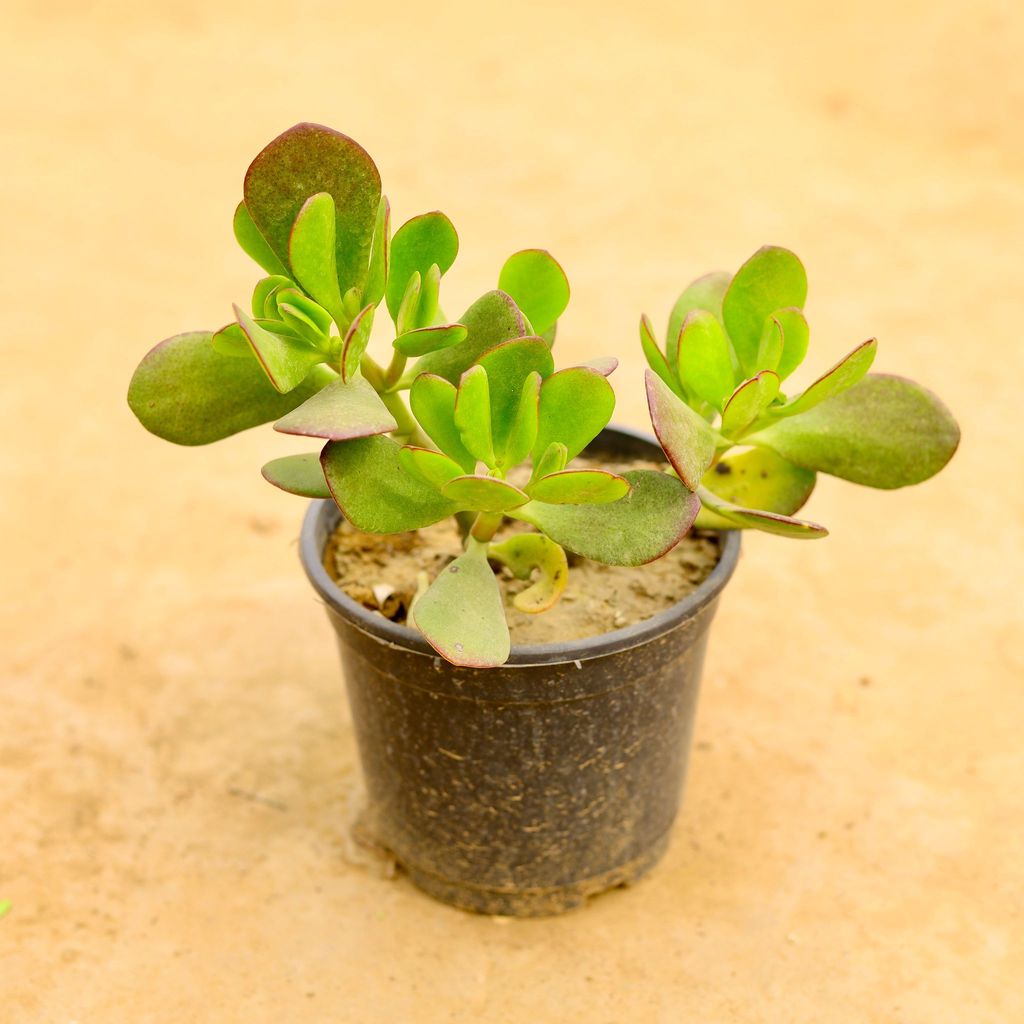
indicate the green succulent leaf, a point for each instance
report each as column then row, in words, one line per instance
column 311, row 252
column 636, row 529
column 434, row 467
column 231, row 341
column 255, row 246
column 580, row 487
column 263, row 301
column 523, row 434
column 748, row 402
column 286, row 361
column 538, row 285
column 773, row 278
column 306, row 160
column 553, row 460
column 428, row 312
column 684, row 434
column 484, row 493
column 508, row 365
column 380, row 254
column 525, row 553
column 756, row 519
column 575, row 406
column 847, row 372
column 461, row 614
column 705, row 293
column 655, row 358
column 407, row 318
column 492, row 319
column 884, row 432
column 796, row 336
column 769, row 349
column 756, row 479
column 186, row 392
column 473, row 415
column 432, row 400
column 308, row 316
column 430, row 339
column 427, row 239
column 375, row 492
column 339, row 412
column 705, row 358
column 298, row 474
column 357, row 338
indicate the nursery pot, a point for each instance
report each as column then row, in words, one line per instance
column 522, row 790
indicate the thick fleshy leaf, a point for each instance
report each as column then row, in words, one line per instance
column 847, row 372
column 749, row 401
column 769, row 348
column 339, row 412
column 430, row 339
column 796, row 336
column 407, row 318
column 526, row 553
column 427, row 239
column 380, row 254
column 298, row 474
column 254, row 245
column 231, row 341
column 311, row 252
column 374, row 491
column 461, row 613
column 684, row 434
column 773, row 278
column 313, row 315
column 755, row 519
column 508, row 365
column 473, row 415
column 287, row 361
column 636, row 529
column 552, row 460
column 757, row 479
column 428, row 311
column 303, row 161
column 580, row 487
column 492, row 319
column 655, row 357
column 186, row 392
column 524, row 426
column 484, row 493
column 263, row 304
column 357, row 337
column 884, row 432
column 538, row 285
column 432, row 400
column 704, row 293
column 575, row 406
column 705, row 358
column 435, row 467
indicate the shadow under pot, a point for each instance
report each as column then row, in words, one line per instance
column 523, row 790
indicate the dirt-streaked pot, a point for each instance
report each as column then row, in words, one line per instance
column 524, row 789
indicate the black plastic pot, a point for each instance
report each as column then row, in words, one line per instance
column 522, row 790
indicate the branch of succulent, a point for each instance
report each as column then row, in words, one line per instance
column 732, row 341
column 470, row 418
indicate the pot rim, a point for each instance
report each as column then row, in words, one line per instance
column 322, row 516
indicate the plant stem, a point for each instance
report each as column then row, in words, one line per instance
column 486, row 526
column 393, row 374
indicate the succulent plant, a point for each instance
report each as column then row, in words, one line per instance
column 470, row 418
column 732, row 342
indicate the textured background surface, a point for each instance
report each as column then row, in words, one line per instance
column 175, row 755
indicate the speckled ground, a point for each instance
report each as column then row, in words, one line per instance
column 176, row 761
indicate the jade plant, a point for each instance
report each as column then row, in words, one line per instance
column 717, row 385
column 469, row 418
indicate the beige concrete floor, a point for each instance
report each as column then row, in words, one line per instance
column 175, row 752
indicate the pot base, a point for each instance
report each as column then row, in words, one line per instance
column 540, row 902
